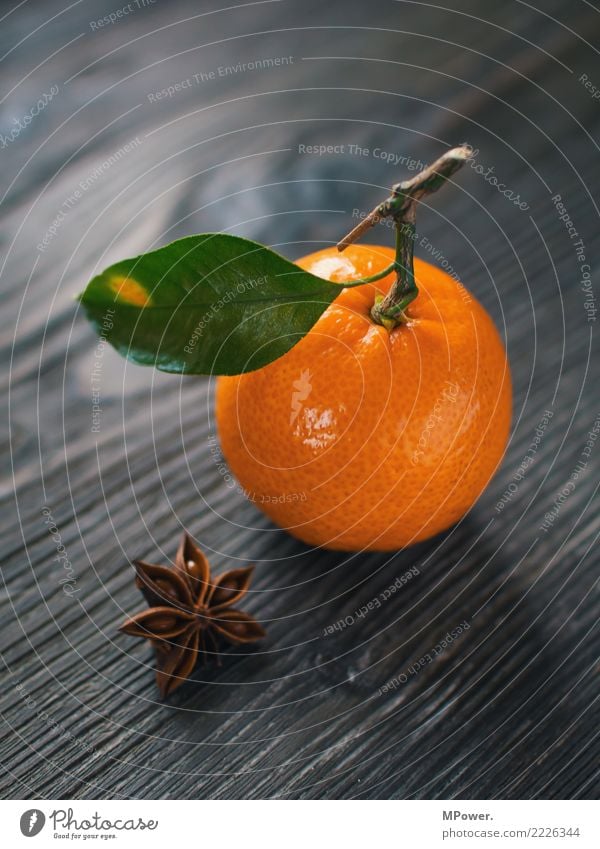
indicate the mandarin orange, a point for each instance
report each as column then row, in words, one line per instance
column 365, row 438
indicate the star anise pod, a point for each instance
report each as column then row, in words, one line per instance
column 188, row 610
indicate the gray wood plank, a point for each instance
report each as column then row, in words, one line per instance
column 510, row 709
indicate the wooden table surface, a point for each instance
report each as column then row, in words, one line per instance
column 114, row 162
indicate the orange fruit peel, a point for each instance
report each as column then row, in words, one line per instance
column 397, row 432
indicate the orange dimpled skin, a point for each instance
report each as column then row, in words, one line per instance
column 361, row 438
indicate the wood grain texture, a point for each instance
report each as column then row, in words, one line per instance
column 509, row 709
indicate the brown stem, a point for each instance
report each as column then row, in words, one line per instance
column 402, row 207
column 371, row 220
column 406, row 194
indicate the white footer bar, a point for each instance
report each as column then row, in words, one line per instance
column 284, row 824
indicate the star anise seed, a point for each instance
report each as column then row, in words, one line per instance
column 188, row 609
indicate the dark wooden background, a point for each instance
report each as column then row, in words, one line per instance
column 509, row 710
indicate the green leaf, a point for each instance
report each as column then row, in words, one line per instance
column 206, row 304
